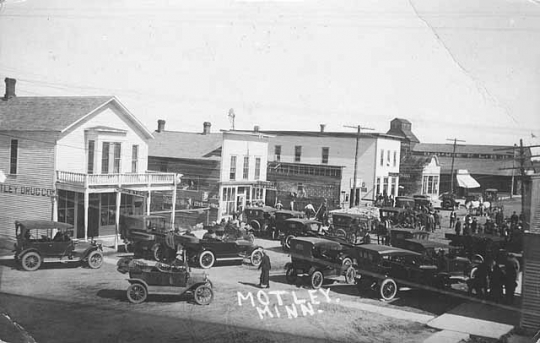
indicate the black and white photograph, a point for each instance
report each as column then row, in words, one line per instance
column 270, row 171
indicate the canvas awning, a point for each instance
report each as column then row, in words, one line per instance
column 465, row 180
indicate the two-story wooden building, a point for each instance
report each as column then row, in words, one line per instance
column 78, row 160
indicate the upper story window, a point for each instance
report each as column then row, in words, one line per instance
column 105, row 158
column 232, row 173
column 245, row 171
column 382, row 157
column 13, row 156
column 277, row 153
column 325, row 153
column 257, row 168
column 110, row 158
column 134, row 158
column 297, row 153
column 395, row 158
column 388, row 158
column 117, row 158
column 91, row 149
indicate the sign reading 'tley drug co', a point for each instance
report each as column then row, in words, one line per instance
column 27, row 190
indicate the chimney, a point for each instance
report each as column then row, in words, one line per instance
column 322, row 127
column 206, row 127
column 256, row 128
column 10, row 88
column 160, row 125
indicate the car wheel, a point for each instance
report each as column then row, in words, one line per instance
column 288, row 241
column 31, row 261
column 95, row 259
column 206, row 259
column 346, row 263
column 159, row 253
column 255, row 225
column 290, row 275
column 129, row 248
column 136, row 293
column 256, row 257
column 341, row 233
column 203, row 295
column 472, row 274
column 350, row 275
column 317, row 279
column 388, row 289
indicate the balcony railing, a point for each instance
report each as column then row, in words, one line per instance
column 148, row 178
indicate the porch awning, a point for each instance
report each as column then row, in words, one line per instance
column 465, row 180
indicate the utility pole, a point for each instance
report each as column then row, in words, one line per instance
column 358, row 128
column 453, row 157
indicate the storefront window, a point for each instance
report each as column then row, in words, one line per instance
column 430, row 184
column 108, row 209
column 229, row 199
column 385, row 185
column 66, row 207
column 257, row 194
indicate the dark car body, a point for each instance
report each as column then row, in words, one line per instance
column 386, row 268
column 206, row 252
column 318, row 258
column 261, row 219
column 280, row 218
column 405, row 202
column 479, row 246
column 159, row 278
column 351, row 226
column 145, row 236
column 448, row 201
column 298, row 227
column 395, row 214
column 397, row 235
column 43, row 240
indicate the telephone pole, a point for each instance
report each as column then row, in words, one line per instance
column 453, row 157
column 358, row 128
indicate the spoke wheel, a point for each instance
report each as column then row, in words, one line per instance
column 203, row 295
column 136, row 293
column 95, row 259
column 290, row 275
column 350, row 275
column 256, row 258
column 159, row 253
column 388, row 289
column 31, row 261
column 317, row 279
column 288, row 241
column 206, row 259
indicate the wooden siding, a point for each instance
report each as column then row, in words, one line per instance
column 530, row 318
column 35, row 175
column 71, row 154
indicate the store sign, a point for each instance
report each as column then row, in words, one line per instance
column 131, row 192
column 27, row 190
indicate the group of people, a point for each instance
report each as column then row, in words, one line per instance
column 495, row 225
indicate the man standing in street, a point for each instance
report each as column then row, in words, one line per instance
column 452, row 218
column 511, row 268
column 265, row 267
column 458, row 227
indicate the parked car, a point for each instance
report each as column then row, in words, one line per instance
column 163, row 278
column 318, row 258
column 397, row 235
column 448, row 201
column 479, row 246
column 280, row 218
column 491, row 195
column 261, row 219
column 298, row 227
column 354, row 227
column 205, row 252
column 43, row 239
column 405, row 202
column 145, row 236
column 385, row 269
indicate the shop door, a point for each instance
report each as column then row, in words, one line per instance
column 93, row 216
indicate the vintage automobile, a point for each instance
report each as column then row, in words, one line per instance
column 405, row 202
column 159, row 278
column 298, row 227
column 145, row 236
column 261, row 219
column 448, row 201
column 41, row 241
column 491, row 195
column 397, row 235
column 385, row 269
column 479, row 246
column 352, row 226
column 280, row 218
column 205, row 252
column 318, row 258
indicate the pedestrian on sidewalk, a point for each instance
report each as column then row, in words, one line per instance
column 453, row 217
column 511, row 268
column 458, row 227
column 265, row 267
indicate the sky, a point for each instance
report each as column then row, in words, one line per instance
column 465, row 69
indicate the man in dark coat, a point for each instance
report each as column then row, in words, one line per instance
column 458, row 227
column 511, row 268
column 265, row 267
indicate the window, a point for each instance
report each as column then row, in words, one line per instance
column 393, row 184
column 91, row 148
column 105, row 158
column 134, row 158
column 378, row 186
column 245, row 171
column 108, row 209
column 382, row 157
column 229, row 197
column 14, row 156
column 232, row 174
column 395, row 158
column 325, row 153
column 66, row 207
column 117, row 157
column 297, row 153
column 257, row 168
column 430, row 185
column 385, row 185
column 257, row 195
column 277, row 153
column 388, row 158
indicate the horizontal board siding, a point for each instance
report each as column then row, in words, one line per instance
column 27, row 194
column 530, row 318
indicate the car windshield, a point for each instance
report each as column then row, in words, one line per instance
column 341, row 220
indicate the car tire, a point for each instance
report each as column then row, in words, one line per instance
column 206, row 259
column 136, row 293
column 346, row 263
column 31, row 261
column 256, row 257
column 472, row 273
column 388, row 289
column 203, row 295
column 350, row 275
column 159, row 253
column 255, row 225
column 129, row 248
column 341, row 233
column 288, row 242
column 95, row 259
column 290, row 275
column 317, row 279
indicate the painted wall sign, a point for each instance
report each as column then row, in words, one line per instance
column 27, row 190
